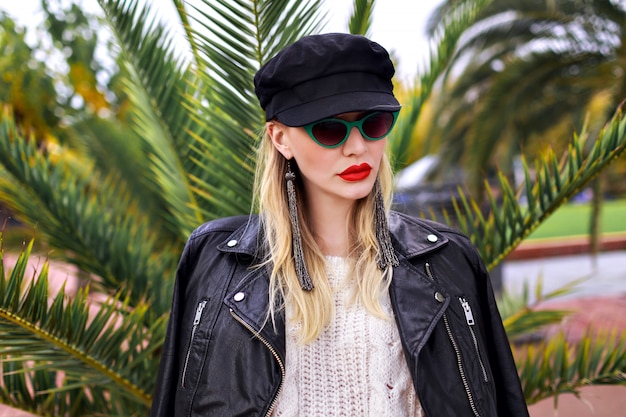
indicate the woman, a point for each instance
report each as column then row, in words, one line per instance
column 326, row 304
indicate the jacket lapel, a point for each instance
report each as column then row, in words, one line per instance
column 415, row 297
column 415, row 305
column 413, row 294
column 249, row 302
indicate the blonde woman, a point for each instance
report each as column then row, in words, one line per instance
column 326, row 304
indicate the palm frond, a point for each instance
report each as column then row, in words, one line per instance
column 361, row 19
column 183, row 14
column 237, row 37
column 117, row 151
column 67, row 358
column 159, row 79
column 521, row 69
column 234, row 39
column 452, row 27
column 90, row 221
column 509, row 220
column 557, row 366
column 472, row 131
column 520, row 314
column 533, row 70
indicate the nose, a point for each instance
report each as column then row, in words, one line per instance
column 355, row 144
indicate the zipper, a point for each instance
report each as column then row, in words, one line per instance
column 457, row 351
column 196, row 322
column 469, row 318
column 273, row 352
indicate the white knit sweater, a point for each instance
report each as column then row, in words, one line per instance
column 354, row 368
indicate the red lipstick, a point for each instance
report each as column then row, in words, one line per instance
column 356, row 172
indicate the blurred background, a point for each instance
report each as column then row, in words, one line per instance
column 126, row 124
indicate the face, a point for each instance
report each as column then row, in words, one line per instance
column 331, row 175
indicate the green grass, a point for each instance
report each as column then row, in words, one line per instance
column 572, row 219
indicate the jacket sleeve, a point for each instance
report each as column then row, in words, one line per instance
column 167, row 380
column 510, row 397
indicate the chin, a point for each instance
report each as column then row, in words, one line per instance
column 360, row 191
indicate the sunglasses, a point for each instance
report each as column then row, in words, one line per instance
column 331, row 133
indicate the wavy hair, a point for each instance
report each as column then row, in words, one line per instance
column 313, row 310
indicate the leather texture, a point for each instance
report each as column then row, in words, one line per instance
column 231, row 361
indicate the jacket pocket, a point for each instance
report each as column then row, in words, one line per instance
column 192, row 337
column 470, row 322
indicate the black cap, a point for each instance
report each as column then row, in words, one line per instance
column 320, row 76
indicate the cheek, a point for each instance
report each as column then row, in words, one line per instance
column 311, row 161
column 304, row 149
column 377, row 150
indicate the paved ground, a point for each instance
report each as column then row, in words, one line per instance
column 600, row 276
column 598, row 294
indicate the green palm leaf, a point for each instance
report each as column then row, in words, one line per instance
column 522, row 69
column 91, row 221
column 558, row 366
column 448, row 34
column 104, row 358
column 234, row 39
column 159, row 81
column 522, row 318
column 509, row 221
column 361, row 20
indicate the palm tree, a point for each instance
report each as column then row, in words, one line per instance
column 525, row 75
column 196, row 122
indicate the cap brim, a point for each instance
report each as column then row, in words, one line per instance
column 323, row 108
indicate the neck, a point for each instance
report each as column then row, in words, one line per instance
column 329, row 223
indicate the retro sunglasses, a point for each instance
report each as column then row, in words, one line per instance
column 331, row 133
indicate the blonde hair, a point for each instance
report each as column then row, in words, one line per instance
column 313, row 310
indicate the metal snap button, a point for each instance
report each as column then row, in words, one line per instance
column 231, row 243
column 432, row 238
column 440, row 297
column 239, row 296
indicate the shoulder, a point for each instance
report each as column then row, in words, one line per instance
column 225, row 225
column 413, row 233
column 408, row 226
column 238, row 235
column 213, row 233
column 208, row 241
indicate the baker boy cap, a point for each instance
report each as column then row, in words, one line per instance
column 321, row 76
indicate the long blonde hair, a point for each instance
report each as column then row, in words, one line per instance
column 314, row 309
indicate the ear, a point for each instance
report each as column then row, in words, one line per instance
column 278, row 134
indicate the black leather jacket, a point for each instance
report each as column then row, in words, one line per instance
column 219, row 359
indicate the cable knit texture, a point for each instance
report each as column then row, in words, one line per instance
column 355, row 367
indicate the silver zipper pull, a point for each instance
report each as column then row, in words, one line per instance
column 429, row 273
column 468, row 311
column 198, row 316
column 196, row 322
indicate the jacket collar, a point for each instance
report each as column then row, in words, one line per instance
column 411, row 237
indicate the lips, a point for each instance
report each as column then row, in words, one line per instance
column 356, row 172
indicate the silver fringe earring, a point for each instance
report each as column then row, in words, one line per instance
column 296, row 238
column 386, row 255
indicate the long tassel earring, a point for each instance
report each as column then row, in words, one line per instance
column 386, row 255
column 298, row 254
